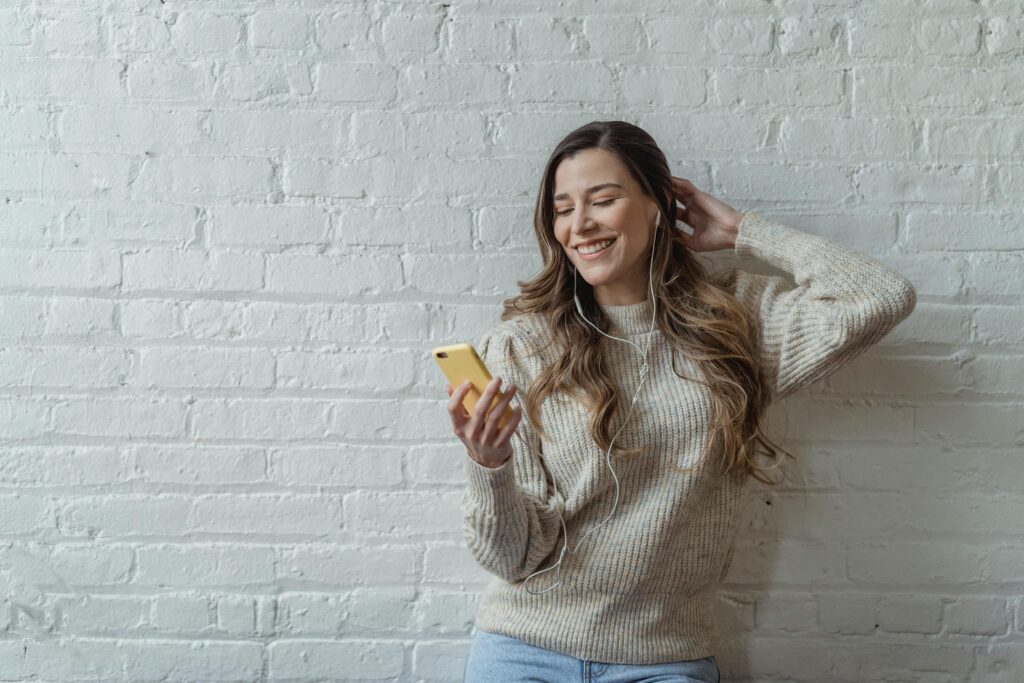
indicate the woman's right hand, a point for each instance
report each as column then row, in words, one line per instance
column 484, row 442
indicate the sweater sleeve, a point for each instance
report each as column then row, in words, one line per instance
column 843, row 302
column 511, row 512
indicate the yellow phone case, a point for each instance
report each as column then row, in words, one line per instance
column 460, row 362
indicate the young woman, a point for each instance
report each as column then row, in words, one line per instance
column 644, row 380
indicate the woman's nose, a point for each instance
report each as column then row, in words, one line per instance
column 580, row 221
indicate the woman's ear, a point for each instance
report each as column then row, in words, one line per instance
column 656, row 219
column 670, row 202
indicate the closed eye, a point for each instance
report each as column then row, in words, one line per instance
column 607, row 201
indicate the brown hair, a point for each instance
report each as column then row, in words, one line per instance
column 696, row 313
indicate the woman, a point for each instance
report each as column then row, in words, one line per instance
column 633, row 601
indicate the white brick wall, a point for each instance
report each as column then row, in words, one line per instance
column 230, row 233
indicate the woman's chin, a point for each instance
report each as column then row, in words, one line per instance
column 597, row 276
column 598, row 269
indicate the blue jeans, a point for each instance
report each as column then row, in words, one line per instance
column 494, row 658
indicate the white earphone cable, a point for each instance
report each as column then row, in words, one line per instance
column 643, row 378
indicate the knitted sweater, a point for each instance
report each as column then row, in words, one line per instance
column 641, row 589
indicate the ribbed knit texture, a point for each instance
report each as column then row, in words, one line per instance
column 641, row 589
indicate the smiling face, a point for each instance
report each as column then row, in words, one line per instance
column 597, row 199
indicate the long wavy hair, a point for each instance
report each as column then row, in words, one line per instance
column 696, row 314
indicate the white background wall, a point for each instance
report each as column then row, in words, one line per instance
column 231, row 232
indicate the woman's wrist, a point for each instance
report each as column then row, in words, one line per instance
column 734, row 227
column 488, row 464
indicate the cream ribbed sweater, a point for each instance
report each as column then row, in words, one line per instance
column 641, row 588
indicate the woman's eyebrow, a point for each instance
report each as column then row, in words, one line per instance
column 591, row 189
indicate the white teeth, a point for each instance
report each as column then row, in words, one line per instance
column 591, row 248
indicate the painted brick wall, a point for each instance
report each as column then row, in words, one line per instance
column 230, row 233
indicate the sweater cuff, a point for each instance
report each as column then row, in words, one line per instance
column 764, row 239
column 492, row 489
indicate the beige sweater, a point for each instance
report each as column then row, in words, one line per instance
column 641, row 588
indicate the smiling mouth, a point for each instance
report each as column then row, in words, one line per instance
column 599, row 251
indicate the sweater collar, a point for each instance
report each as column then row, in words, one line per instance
column 629, row 318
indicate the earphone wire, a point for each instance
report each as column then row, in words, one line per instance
column 644, row 368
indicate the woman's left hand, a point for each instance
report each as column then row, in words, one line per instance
column 713, row 221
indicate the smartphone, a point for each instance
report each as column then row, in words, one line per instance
column 460, row 362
